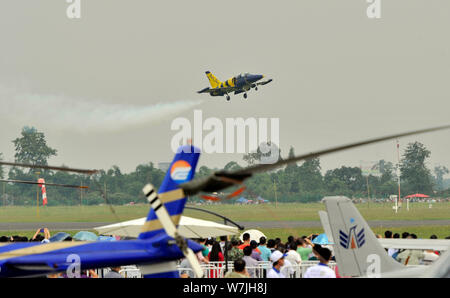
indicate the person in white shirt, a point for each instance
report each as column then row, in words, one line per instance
column 321, row 270
column 277, row 259
column 392, row 251
column 287, row 269
column 292, row 255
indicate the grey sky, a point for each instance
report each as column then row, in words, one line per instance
column 338, row 76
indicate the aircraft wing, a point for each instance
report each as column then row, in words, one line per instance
column 434, row 244
column 34, row 258
column 220, row 90
column 265, row 82
column 439, row 269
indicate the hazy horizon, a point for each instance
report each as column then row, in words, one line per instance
column 105, row 88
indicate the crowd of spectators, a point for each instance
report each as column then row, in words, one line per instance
column 41, row 235
column 283, row 257
column 246, row 254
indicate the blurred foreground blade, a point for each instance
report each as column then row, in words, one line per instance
column 65, row 169
column 45, row 183
column 223, row 179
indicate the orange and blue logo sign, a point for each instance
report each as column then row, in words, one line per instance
column 180, row 171
column 353, row 239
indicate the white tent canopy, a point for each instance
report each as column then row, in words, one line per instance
column 188, row 227
column 254, row 235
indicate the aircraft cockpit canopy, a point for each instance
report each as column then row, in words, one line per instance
column 242, row 75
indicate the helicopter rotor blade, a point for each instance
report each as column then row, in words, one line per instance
column 43, row 183
column 65, row 169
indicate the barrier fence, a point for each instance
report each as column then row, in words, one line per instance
column 217, row 270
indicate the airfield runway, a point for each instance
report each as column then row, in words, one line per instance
column 78, row 226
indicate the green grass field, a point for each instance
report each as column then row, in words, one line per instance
column 421, row 232
column 238, row 213
column 267, row 212
column 308, row 212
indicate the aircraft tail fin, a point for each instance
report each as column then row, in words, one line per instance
column 182, row 169
column 358, row 252
column 326, row 225
column 215, row 82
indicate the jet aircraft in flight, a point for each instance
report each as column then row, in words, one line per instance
column 238, row 84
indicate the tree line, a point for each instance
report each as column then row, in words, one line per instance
column 300, row 182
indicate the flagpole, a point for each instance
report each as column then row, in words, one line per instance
column 37, row 195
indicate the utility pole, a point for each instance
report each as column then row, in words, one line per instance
column 275, row 190
column 106, row 200
column 368, row 192
column 366, row 173
column 4, row 193
column 81, row 193
column 398, row 177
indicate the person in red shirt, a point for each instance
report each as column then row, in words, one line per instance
column 215, row 255
column 246, row 239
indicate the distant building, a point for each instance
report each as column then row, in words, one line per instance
column 163, row 166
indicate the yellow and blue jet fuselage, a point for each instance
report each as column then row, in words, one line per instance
column 238, row 84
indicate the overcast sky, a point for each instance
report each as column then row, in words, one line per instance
column 105, row 88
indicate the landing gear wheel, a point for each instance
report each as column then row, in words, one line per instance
column 245, row 95
column 228, row 98
column 256, row 88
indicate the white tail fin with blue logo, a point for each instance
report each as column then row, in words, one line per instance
column 356, row 248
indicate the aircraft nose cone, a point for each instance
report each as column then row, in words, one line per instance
column 255, row 78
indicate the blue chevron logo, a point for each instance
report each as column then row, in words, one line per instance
column 352, row 239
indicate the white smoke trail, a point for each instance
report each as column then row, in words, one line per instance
column 65, row 114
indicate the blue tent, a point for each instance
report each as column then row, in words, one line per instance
column 322, row 239
column 61, row 236
column 85, row 236
column 259, row 199
column 241, row 200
